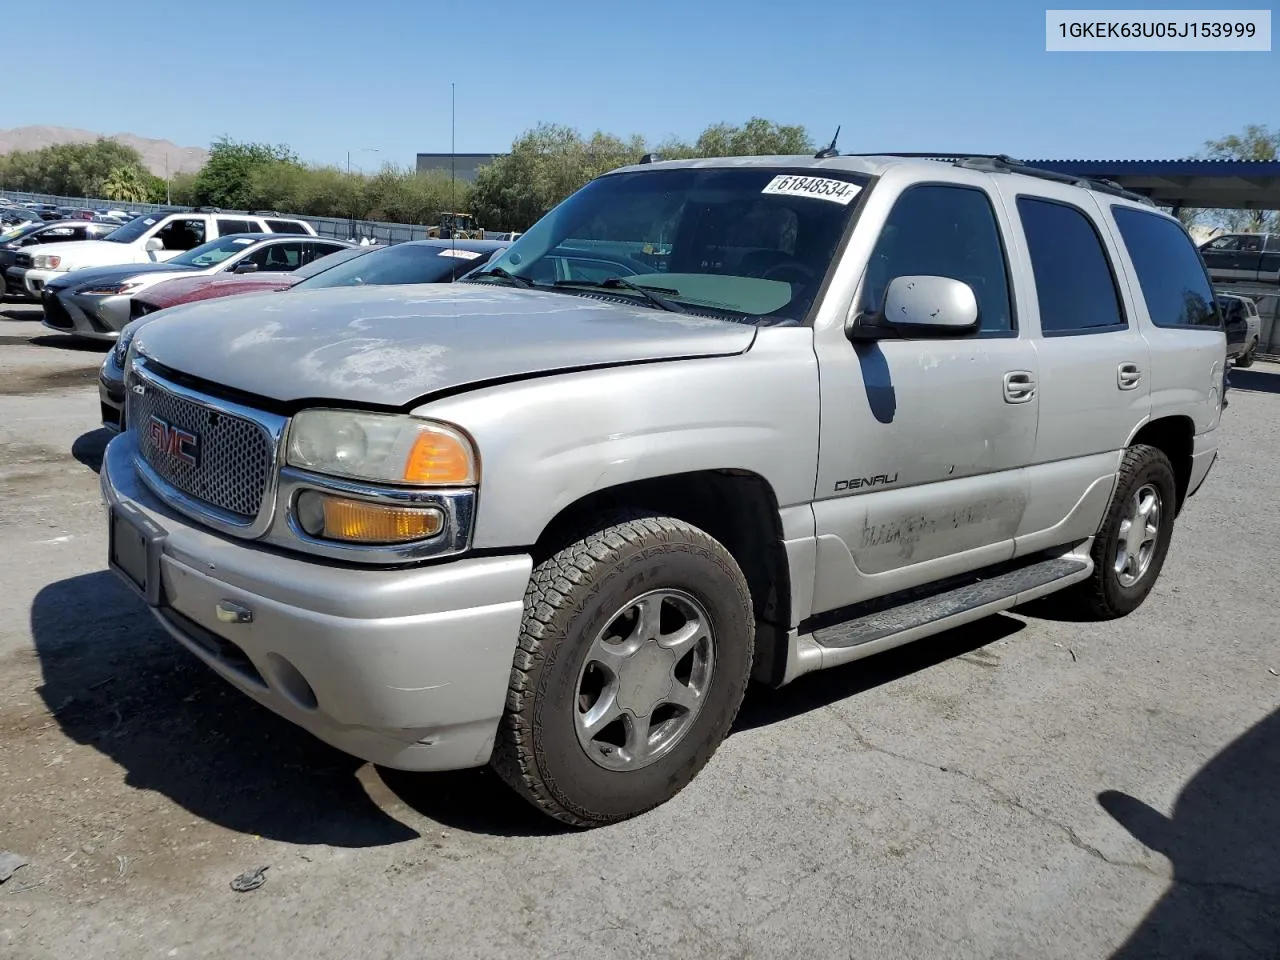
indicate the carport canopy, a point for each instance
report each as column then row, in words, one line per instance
column 1216, row 184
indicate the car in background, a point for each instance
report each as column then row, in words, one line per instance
column 14, row 242
column 1243, row 256
column 12, row 215
column 416, row 261
column 95, row 302
column 148, row 239
column 1243, row 327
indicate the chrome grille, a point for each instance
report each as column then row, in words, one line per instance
column 233, row 456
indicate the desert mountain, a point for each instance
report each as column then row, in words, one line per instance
column 181, row 159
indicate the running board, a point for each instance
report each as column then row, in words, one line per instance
column 912, row 619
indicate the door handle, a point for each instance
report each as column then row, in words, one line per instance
column 1019, row 386
column 1127, row 376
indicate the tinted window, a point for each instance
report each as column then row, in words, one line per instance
column 317, row 249
column 1075, row 287
column 285, row 226
column 278, row 257
column 181, row 234
column 403, row 263
column 1223, row 244
column 1273, row 242
column 236, row 226
column 1170, row 272
column 944, row 232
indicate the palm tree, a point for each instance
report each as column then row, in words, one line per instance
column 126, row 184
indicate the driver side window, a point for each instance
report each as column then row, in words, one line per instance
column 944, row 231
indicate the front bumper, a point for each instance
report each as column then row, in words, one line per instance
column 15, row 286
column 69, row 313
column 406, row 668
column 33, row 281
column 108, row 314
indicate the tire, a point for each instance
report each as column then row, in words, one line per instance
column 1108, row 593
column 544, row 749
column 1246, row 359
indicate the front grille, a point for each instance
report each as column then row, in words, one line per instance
column 54, row 312
column 233, row 457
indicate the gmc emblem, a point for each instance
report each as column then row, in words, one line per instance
column 182, row 445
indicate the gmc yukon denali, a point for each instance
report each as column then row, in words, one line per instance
column 707, row 421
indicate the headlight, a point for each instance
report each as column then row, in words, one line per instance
column 46, row 261
column 381, row 447
column 122, row 345
column 111, row 289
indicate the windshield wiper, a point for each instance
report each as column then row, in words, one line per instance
column 505, row 275
column 645, row 290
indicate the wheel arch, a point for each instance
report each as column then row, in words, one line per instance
column 1175, row 437
column 737, row 507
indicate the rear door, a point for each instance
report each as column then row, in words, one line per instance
column 1094, row 362
column 1269, row 262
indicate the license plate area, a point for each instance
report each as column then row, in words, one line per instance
column 135, row 545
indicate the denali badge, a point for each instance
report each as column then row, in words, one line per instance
column 856, row 483
column 182, row 445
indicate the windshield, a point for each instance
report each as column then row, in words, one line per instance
column 17, row 233
column 740, row 242
column 214, row 252
column 134, row 229
column 403, row 263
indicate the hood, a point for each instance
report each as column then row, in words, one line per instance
column 117, row 272
column 182, row 289
column 91, row 253
column 390, row 345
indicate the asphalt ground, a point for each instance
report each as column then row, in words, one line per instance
column 1020, row 788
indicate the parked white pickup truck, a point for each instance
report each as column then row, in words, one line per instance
column 706, row 420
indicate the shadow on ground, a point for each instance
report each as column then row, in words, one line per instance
column 115, row 682
column 89, row 448
column 63, row 342
column 1255, row 381
column 1224, row 842
column 816, row 690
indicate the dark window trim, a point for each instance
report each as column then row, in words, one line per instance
column 1106, row 258
column 1199, row 256
column 1014, row 328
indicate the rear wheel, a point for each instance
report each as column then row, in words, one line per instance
column 1246, row 359
column 1130, row 546
column 633, row 659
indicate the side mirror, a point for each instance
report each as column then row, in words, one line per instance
column 246, row 266
column 920, row 306
column 154, row 245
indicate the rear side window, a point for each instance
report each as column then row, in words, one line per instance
column 236, row 226
column 286, row 226
column 1075, row 286
column 1170, row 272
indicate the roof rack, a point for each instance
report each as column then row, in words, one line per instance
column 1002, row 163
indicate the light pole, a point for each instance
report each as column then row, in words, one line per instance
column 359, row 150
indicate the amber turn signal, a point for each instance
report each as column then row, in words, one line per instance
column 439, row 458
column 328, row 517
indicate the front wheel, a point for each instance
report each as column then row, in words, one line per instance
column 1130, row 546
column 633, row 659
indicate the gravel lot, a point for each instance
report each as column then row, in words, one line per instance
column 1021, row 788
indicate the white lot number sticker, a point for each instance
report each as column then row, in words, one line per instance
column 823, row 188
column 460, row 254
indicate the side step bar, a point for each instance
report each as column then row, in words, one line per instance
column 889, row 626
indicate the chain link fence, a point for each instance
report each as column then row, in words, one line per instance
column 338, row 228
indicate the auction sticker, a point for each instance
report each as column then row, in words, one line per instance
column 823, row 188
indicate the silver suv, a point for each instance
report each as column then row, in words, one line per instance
column 706, row 421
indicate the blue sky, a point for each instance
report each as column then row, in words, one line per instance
column 328, row 76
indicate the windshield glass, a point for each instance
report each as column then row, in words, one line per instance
column 740, row 242
column 17, row 233
column 403, row 263
column 135, row 228
column 214, row 252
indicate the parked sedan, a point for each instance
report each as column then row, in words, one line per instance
column 416, row 261
column 95, row 302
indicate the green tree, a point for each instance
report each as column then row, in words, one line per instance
column 68, row 169
column 226, row 179
column 1256, row 142
column 128, row 184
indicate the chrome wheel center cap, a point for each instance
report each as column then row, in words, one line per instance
column 644, row 681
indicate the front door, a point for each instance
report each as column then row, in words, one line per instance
column 923, row 441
